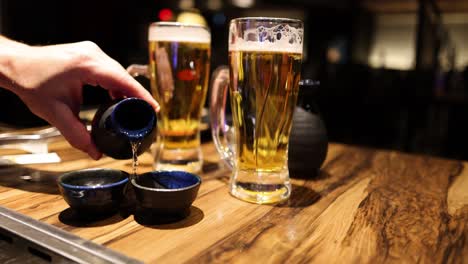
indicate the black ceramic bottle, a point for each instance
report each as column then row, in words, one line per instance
column 308, row 141
column 120, row 122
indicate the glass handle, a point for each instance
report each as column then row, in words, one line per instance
column 136, row 70
column 222, row 133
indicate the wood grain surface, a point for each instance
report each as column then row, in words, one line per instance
column 365, row 206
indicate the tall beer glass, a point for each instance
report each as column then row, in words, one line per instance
column 265, row 56
column 179, row 63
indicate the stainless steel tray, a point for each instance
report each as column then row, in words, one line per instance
column 25, row 240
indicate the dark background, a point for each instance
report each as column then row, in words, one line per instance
column 420, row 108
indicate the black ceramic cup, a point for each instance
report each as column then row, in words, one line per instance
column 166, row 192
column 93, row 191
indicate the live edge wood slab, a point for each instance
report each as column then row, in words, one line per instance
column 365, row 206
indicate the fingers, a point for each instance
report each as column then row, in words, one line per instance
column 119, row 82
column 115, row 94
column 74, row 131
column 98, row 68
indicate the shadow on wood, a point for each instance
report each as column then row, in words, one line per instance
column 175, row 221
column 72, row 218
column 301, row 196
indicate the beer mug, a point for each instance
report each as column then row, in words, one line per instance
column 265, row 57
column 179, row 64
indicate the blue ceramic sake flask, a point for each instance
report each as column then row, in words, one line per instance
column 120, row 122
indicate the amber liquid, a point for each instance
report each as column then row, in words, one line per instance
column 179, row 82
column 264, row 88
column 135, row 145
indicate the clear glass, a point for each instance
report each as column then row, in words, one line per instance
column 265, row 57
column 179, row 63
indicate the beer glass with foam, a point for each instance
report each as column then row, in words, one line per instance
column 265, row 56
column 179, row 63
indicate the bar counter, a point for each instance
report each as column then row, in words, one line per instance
column 365, row 206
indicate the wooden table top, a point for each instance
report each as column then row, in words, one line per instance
column 365, row 206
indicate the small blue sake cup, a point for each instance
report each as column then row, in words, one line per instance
column 166, row 192
column 93, row 191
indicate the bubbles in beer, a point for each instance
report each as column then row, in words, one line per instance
column 280, row 38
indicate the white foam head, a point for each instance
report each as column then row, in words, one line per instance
column 178, row 32
column 280, row 38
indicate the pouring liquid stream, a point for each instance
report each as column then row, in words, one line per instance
column 135, row 145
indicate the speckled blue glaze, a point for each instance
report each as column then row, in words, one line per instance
column 166, row 192
column 93, row 191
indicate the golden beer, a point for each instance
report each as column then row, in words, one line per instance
column 264, row 88
column 265, row 59
column 179, row 69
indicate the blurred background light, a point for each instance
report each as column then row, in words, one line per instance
column 214, row 4
column 243, row 3
column 192, row 16
column 165, row 14
column 394, row 41
column 186, row 4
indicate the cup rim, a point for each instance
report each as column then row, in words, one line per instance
column 177, row 24
column 104, row 186
column 141, row 132
column 268, row 19
column 135, row 184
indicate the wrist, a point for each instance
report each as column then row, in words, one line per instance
column 10, row 53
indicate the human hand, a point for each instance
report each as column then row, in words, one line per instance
column 49, row 80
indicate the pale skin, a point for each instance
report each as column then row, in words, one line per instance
column 49, row 80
